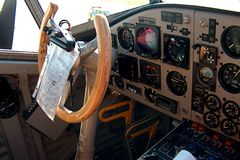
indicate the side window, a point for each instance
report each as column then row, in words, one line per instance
column 26, row 32
column 7, row 19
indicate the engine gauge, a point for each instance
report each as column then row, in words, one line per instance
column 147, row 41
column 126, row 39
column 176, row 50
column 229, row 127
column 231, row 109
column 150, row 74
column 231, row 41
column 212, row 102
column 229, row 77
column 206, row 75
column 211, row 119
column 176, row 83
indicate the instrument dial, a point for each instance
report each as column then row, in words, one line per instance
column 231, row 41
column 231, row 109
column 212, row 102
column 147, row 41
column 177, row 83
column 229, row 127
column 176, row 50
column 126, row 39
column 150, row 74
column 206, row 75
column 211, row 119
column 229, row 77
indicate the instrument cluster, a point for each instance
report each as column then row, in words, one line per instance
column 183, row 62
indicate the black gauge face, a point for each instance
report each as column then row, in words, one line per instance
column 206, row 75
column 231, row 109
column 212, row 102
column 119, row 82
column 126, row 39
column 176, row 50
column 231, row 41
column 211, row 119
column 150, row 74
column 176, row 83
column 229, row 127
column 229, row 77
column 147, row 41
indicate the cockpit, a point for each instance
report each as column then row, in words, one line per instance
column 158, row 81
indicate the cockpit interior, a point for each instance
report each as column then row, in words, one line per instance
column 163, row 84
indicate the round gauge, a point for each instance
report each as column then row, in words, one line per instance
column 177, row 83
column 126, row 39
column 211, row 119
column 212, row 102
column 229, row 127
column 229, row 77
column 119, row 82
column 231, row 41
column 176, row 51
column 147, row 41
column 206, row 74
column 231, row 109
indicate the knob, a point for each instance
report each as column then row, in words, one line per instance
column 186, row 19
column 201, row 129
column 194, row 126
column 202, row 155
column 203, row 22
column 228, row 146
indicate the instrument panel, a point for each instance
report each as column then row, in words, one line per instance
column 183, row 62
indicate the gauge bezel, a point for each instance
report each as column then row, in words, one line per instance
column 211, row 109
column 225, row 86
column 226, row 131
column 184, row 42
column 226, row 114
column 154, row 55
column 211, row 83
column 209, row 125
column 171, row 88
column 223, row 39
column 154, row 81
column 121, row 42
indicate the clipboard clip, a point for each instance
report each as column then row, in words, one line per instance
column 59, row 36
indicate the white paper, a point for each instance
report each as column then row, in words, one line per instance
column 53, row 79
column 184, row 155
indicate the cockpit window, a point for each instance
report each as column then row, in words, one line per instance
column 77, row 12
column 26, row 32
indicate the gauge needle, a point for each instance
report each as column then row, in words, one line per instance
column 236, row 74
column 232, row 45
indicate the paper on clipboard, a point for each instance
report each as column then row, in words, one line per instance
column 53, row 79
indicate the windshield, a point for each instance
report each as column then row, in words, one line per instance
column 77, row 12
column 26, row 33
